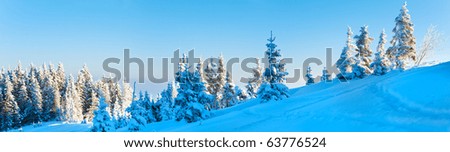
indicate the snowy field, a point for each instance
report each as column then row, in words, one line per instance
column 414, row 100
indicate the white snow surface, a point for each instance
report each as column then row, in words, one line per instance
column 413, row 100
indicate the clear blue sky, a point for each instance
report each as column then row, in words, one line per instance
column 87, row 32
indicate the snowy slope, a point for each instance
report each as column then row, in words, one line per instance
column 414, row 100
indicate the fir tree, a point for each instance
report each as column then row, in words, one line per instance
column 102, row 120
column 56, row 108
column 326, row 76
column 138, row 116
column 215, row 79
column 85, row 88
column 364, row 53
column 381, row 65
column 403, row 43
column 229, row 97
column 72, row 104
column 309, row 77
column 127, row 97
column 241, row 94
column 34, row 114
column 148, row 104
column 346, row 60
column 273, row 87
column 254, row 83
column 187, row 105
column 22, row 99
column 9, row 115
column 166, row 103
column 48, row 99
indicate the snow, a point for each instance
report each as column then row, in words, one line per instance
column 55, row 126
column 412, row 100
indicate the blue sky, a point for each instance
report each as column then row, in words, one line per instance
column 88, row 32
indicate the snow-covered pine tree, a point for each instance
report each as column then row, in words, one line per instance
column 85, row 88
column 241, row 94
column 102, row 119
column 273, row 87
column 254, row 83
column 149, row 105
column 22, row 99
column 326, row 76
column 102, row 90
column 10, row 116
column 127, row 98
column 48, row 98
column 381, row 65
column 204, row 97
column 214, row 74
column 73, row 111
column 220, row 79
column 117, row 108
column 138, row 116
column 187, row 105
column 40, row 75
column 364, row 53
column 18, row 82
column 34, row 98
column 60, row 79
column 229, row 96
column 309, row 77
column 56, row 108
column 166, row 104
column 403, row 43
column 347, row 60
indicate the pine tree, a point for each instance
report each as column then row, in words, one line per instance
column 148, row 104
column 22, row 99
column 73, row 111
column 56, row 108
column 241, row 94
column 381, row 65
column 117, row 112
column 364, row 53
column 60, row 79
column 403, row 43
column 19, row 80
column 215, row 79
column 273, row 87
column 229, row 97
column 48, row 99
column 102, row 120
column 326, row 76
column 309, row 77
column 127, row 98
column 85, row 88
column 346, row 60
column 187, row 103
column 10, row 116
column 40, row 75
column 138, row 116
column 34, row 99
column 254, row 83
column 166, row 103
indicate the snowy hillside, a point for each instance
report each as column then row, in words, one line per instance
column 415, row 100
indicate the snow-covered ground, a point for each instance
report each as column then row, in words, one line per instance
column 414, row 100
